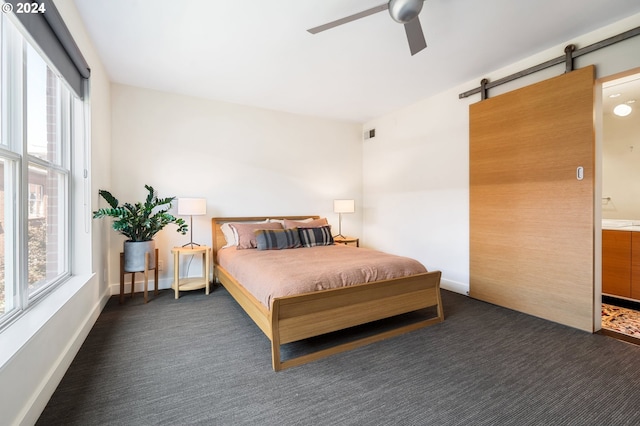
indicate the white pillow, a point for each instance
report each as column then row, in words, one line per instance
column 281, row 221
column 229, row 235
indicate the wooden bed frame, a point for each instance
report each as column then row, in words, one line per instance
column 294, row 318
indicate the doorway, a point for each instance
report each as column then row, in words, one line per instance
column 620, row 205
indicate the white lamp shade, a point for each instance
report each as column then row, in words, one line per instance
column 344, row 206
column 192, row 206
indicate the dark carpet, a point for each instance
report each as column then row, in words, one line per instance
column 201, row 360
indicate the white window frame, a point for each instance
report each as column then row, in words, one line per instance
column 72, row 171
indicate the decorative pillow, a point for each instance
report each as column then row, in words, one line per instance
column 277, row 239
column 314, row 223
column 320, row 236
column 245, row 233
column 230, row 235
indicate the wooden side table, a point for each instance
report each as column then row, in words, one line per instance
column 190, row 283
column 347, row 240
column 133, row 277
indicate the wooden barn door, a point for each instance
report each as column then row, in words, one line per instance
column 531, row 206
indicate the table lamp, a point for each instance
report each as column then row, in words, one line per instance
column 343, row 206
column 192, row 207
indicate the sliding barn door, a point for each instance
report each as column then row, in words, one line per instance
column 532, row 199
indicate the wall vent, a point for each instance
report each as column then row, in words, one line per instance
column 370, row 134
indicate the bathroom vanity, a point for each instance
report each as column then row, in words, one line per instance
column 621, row 258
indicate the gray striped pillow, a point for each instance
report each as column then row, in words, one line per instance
column 277, row 239
column 320, row 236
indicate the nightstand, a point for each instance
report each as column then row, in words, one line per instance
column 347, row 240
column 190, row 283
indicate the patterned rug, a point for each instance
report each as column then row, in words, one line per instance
column 621, row 320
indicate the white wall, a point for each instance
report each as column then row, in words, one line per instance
column 416, row 184
column 415, row 172
column 37, row 349
column 245, row 161
column 621, row 166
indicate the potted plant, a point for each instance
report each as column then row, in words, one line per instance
column 139, row 222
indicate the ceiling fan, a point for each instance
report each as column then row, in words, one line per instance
column 402, row 11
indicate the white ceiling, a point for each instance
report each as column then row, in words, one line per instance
column 259, row 53
column 624, row 90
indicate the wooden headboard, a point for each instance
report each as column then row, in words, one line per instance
column 217, row 237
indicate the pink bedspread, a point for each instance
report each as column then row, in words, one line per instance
column 274, row 273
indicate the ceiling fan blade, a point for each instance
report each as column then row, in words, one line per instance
column 349, row 18
column 415, row 36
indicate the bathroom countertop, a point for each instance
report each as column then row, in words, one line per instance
column 621, row 225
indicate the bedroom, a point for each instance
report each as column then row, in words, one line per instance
column 188, row 154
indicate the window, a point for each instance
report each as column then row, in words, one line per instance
column 7, row 271
column 47, row 146
column 41, row 118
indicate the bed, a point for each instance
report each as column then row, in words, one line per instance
column 290, row 318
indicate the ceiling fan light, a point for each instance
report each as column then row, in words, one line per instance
column 403, row 11
column 622, row 110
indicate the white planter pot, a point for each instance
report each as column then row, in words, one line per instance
column 134, row 255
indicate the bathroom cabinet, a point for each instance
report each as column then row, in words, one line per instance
column 616, row 263
column 621, row 263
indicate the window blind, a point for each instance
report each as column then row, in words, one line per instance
column 53, row 37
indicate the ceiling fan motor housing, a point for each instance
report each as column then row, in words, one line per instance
column 403, row 11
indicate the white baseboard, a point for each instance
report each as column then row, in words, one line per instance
column 114, row 288
column 455, row 286
column 165, row 283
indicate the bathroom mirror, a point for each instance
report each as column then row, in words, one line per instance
column 621, row 148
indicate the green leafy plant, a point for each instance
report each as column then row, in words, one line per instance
column 140, row 221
